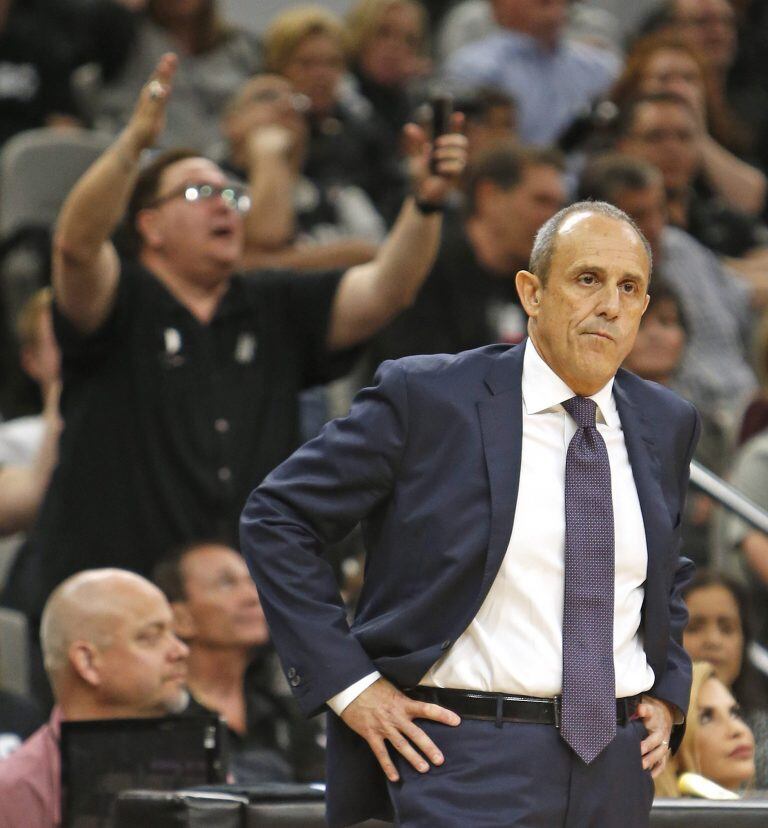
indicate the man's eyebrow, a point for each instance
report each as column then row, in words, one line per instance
column 152, row 626
column 584, row 266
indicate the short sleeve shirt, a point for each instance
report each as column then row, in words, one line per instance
column 169, row 423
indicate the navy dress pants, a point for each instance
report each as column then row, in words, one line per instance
column 523, row 776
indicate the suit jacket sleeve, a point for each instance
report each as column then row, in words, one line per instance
column 675, row 683
column 316, row 497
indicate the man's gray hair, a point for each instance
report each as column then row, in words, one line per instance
column 546, row 238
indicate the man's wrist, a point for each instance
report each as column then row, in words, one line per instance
column 677, row 715
column 341, row 701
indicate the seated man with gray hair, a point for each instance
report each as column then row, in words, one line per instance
column 110, row 652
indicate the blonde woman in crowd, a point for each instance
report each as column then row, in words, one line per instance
column 347, row 142
column 718, row 743
column 388, row 51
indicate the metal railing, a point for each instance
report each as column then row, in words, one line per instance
column 728, row 496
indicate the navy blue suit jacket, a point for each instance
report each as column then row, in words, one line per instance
column 429, row 460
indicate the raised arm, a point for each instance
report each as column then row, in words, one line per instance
column 270, row 223
column 22, row 487
column 370, row 295
column 334, row 255
column 739, row 184
column 85, row 265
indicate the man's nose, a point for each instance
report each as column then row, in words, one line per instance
column 609, row 301
column 248, row 591
column 179, row 650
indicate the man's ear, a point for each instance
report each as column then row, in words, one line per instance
column 148, row 227
column 529, row 289
column 83, row 657
column 183, row 623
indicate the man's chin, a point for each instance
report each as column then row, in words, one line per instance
column 178, row 703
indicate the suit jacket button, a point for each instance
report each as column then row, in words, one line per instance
column 445, row 645
column 291, row 672
column 295, row 681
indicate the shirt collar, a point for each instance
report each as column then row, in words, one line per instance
column 55, row 722
column 543, row 389
column 525, row 42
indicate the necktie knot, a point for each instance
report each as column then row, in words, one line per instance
column 583, row 410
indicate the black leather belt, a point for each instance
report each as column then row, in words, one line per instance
column 497, row 707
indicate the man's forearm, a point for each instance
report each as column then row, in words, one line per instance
column 406, row 257
column 755, row 549
column 270, row 223
column 335, row 255
column 740, row 185
column 98, row 201
column 20, row 496
column 86, row 269
column 370, row 295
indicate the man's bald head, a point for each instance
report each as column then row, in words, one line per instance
column 109, row 647
column 87, row 606
column 546, row 238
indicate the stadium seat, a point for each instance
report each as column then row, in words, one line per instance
column 14, row 652
column 38, row 169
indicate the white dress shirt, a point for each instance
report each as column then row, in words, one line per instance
column 514, row 643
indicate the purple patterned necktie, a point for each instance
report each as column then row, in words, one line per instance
column 588, row 721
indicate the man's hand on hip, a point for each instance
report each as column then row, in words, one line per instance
column 381, row 713
column 657, row 718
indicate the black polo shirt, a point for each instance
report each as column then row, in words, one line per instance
column 462, row 305
column 170, row 423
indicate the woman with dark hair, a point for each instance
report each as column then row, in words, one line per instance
column 665, row 63
column 719, row 631
column 214, row 59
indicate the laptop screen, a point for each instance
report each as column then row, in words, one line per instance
column 99, row 759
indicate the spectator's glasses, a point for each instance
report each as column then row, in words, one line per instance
column 296, row 101
column 235, row 196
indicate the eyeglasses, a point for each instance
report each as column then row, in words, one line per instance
column 659, row 136
column 703, row 21
column 235, row 196
column 297, row 102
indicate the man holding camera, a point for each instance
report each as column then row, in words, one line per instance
column 181, row 376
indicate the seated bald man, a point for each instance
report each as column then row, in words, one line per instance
column 110, row 652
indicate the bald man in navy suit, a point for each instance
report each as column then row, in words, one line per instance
column 452, row 692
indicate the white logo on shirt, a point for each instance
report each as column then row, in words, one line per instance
column 245, row 349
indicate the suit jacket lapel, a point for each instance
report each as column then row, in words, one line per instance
column 646, row 470
column 501, row 424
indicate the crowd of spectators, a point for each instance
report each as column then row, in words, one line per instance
column 272, row 218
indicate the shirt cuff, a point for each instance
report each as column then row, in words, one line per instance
column 341, row 701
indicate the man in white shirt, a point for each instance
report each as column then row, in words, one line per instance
column 522, row 590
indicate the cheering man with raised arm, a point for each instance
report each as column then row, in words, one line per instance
column 180, row 375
